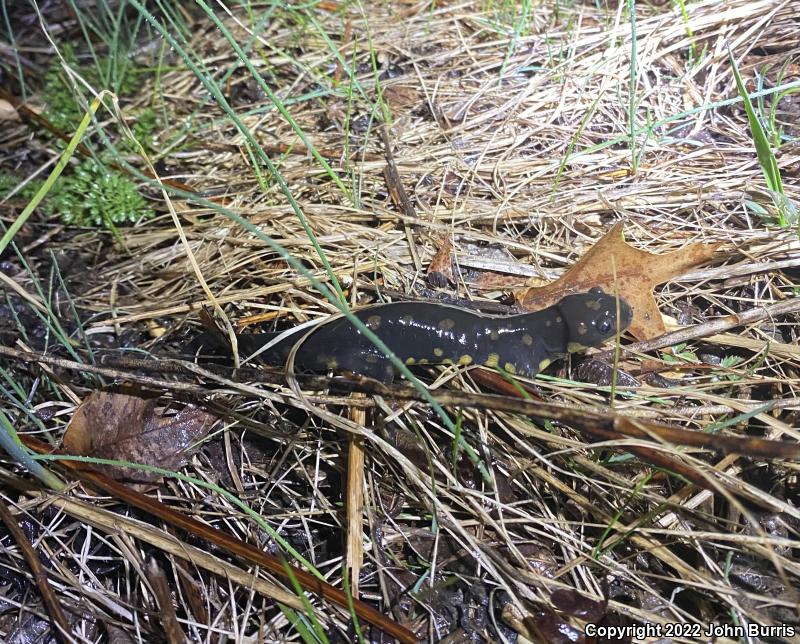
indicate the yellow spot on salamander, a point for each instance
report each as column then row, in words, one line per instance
column 407, row 319
column 438, row 352
column 527, row 339
column 410, row 361
column 510, row 368
column 493, row 360
column 447, row 361
column 446, row 324
column 494, row 335
column 594, row 305
column 371, row 359
column 422, row 361
column 332, row 363
column 374, row 322
column 465, row 360
column 559, row 319
column 574, row 347
column 544, row 364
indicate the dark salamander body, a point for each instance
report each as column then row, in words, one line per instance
column 429, row 333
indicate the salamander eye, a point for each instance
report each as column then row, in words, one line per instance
column 604, row 326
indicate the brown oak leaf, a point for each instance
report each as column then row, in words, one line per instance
column 617, row 267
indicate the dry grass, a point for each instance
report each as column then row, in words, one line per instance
column 522, row 143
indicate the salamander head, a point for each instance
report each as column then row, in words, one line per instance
column 591, row 318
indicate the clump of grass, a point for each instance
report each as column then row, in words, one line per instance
column 786, row 210
column 96, row 195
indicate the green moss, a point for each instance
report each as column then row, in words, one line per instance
column 144, row 130
column 95, row 195
column 10, row 181
column 63, row 108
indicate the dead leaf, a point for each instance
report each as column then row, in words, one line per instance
column 7, row 111
column 637, row 273
column 492, row 281
column 128, row 428
column 482, row 266
column 440, row 270
column 401, row 96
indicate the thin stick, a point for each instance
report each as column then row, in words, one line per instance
column 713, row 327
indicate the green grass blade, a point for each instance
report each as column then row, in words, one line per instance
column 632, row 88
column 299, row 624
column 14, row 51
column 319, row 632
column 10, row 442
column 766, row 158
column 350, row 607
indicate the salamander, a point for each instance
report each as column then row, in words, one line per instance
column 422, row 333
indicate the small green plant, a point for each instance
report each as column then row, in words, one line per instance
column 63, row 109
column 726, row 364
column 729, row 362
column 787, row 213
column 680, row 355
column 144, row 131
column 769, row 116
column 95, row 195
column 9, row 182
